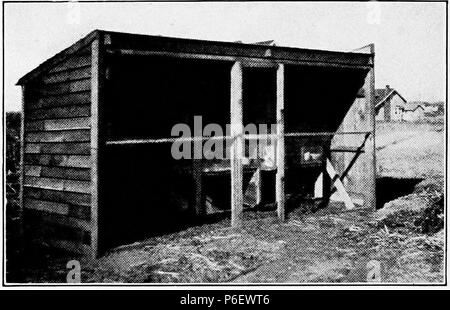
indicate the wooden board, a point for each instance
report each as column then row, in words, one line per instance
column 58, row 124
column 75, row 61
column 280, row 158
column 58, row 196
column 97, row 135
column 60, row 112
column 360, row 181
column 58, row 148
column 236, row 50
column 68, row 75
column 236, row 150
column 75, row 211
column 69, row 246
column 22, row 160
column 79, row 161
column 58, row 184
column 39, row 101
column 58, row 172
column 55, row 234
column 63, row 88
column 47, row 206
column 57, row 219
column 59, row 136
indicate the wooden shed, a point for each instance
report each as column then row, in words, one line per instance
column 97, row 164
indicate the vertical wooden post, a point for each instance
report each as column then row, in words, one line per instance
column 258, row 186
column 97, row 75
column 22, row 163
column 197, row 167
column 369, row 90
column 236, row 151
column 279, row 182
column 326, row 182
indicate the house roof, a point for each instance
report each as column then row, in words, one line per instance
column 383, row 94
column 228, row 51
column 412, row 107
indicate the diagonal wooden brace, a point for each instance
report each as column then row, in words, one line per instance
column 335, row 182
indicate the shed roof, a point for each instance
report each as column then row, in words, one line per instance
column 118, row 41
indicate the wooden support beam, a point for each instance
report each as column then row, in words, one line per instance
column 358, row 152
column 236, row 151
column 97, row 84
column 246, row 61
column 247, row 137
column 327, row 183
column 369, row 90
column 22, row 160
column 258, row 186
column 318, row 186
column 339, row 186
column 197, row 168
column 279, row 181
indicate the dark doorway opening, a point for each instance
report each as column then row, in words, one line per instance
column 388, row 188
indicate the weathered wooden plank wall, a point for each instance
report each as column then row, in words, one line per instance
column 57, row 155
column 360, row 181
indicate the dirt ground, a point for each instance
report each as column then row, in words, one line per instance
column 405, row 237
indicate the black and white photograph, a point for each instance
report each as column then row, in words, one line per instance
column 236, row 144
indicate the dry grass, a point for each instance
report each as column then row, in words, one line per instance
column 216, row 256
column 320, row 247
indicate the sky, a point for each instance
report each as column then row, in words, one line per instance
column 409, row 37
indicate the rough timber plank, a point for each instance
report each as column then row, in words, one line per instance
column 340, row 187
column 58, row 124
column 58, row 148
column 68, row 75
column 279, row 181
column 189, row 46
column 64, row 88
column 46, row 206
column 66, row 99
column 57, row 235
column 58, row 184
column 236, row 151
column 70, row 246
column 78, row 161
column 62, row 220
column 59, row 136
column 74, row 62
column 22, row 160
column 79, row 199
column 360, row 180
column 83, row 174
column 60, row 112
column 369, row 90
column 97, row 142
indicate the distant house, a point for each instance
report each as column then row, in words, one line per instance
column 430, row 109
column 413, row 113
column 434, row 109
column 389, row 104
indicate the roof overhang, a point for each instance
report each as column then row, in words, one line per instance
column 252, row 54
